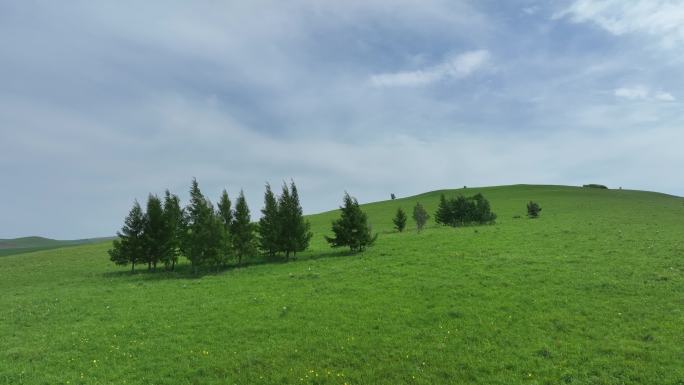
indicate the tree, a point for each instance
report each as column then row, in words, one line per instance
column 399, row 220
column 533, row 209
column 269, row 224
column 173, row 218
column 393, row 196
column 129, row 247
column 154, row 233
column 201, row 241
column 294, row 229
column 443, row 216
column 420, row 216
column 242, row 230
column 225, row 216
column 352, row 228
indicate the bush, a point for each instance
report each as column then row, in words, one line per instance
column 533, row 209
column 593, row 185
column 462, row 211
column 399, row 220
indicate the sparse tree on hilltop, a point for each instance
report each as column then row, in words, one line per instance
column 399, row 220
column 351, row 229
column 129, row 247
column 420, row 216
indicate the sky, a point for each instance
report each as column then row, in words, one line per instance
column 102, row 103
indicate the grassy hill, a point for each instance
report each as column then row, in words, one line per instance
column 30, row 244
column 589, row 293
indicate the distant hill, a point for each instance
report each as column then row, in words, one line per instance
column 29, row 244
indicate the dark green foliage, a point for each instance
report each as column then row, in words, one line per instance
column 443, row 214
column 352, row 228
column 294, row 229
column 393, row 196
column 594, row 185
column 420, row 215
column 242, row 230
column 154, row 234
column 203, row 239
column 225, row 216
column 129, row 247
column 533, row 209
column 269, row 224
column 173, row 218
column 399, row 220
column 461, row 211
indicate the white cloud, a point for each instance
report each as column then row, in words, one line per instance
column 457, row 67
column 663, row 19
column 643, row 93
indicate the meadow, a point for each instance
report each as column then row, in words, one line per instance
column 589, row 293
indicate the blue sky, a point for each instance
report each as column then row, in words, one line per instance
column 103, row 102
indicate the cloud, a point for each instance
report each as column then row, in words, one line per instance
column 663, row 19
column 643, row 93
column 457, row 67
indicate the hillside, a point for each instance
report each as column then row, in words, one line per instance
column 30, row 244
column 589, row 293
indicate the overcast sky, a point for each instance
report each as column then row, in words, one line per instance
column 103, row 102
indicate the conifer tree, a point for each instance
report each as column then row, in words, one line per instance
column 199, row 219
column 351, row 229
column 269, row 224
column 225, row 214
column 420, row 216
column 129, row 247
column 154, row 232
column 173, row 218
column 443, row 214
column 242, row 229
column 399, row 220
column 298, row 228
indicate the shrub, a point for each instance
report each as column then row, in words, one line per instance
column 533, row 209
column 593, row 185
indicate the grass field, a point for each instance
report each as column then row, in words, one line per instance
column 30, row 244
column 589, row 293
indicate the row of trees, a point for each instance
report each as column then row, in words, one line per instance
column 210, row 236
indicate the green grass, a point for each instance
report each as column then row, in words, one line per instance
column 30, row 244
column 589, row 293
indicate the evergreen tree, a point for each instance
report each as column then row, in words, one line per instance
column 399, row 220
column 269, row 224
column 443, row 216
column 299, row 228
column 199, row 219
column 225, row 215
column 533, row 209
column 420, row 216
column 173, row 218
column 242, row 229
column 154, row 232
column 351, row 229
column 129, row 247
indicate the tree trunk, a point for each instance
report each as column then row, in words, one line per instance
column 287, row 255
column 133, row 267
column 173, row 264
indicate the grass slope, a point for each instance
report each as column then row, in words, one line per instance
column 590, row 293
column 30, row 244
